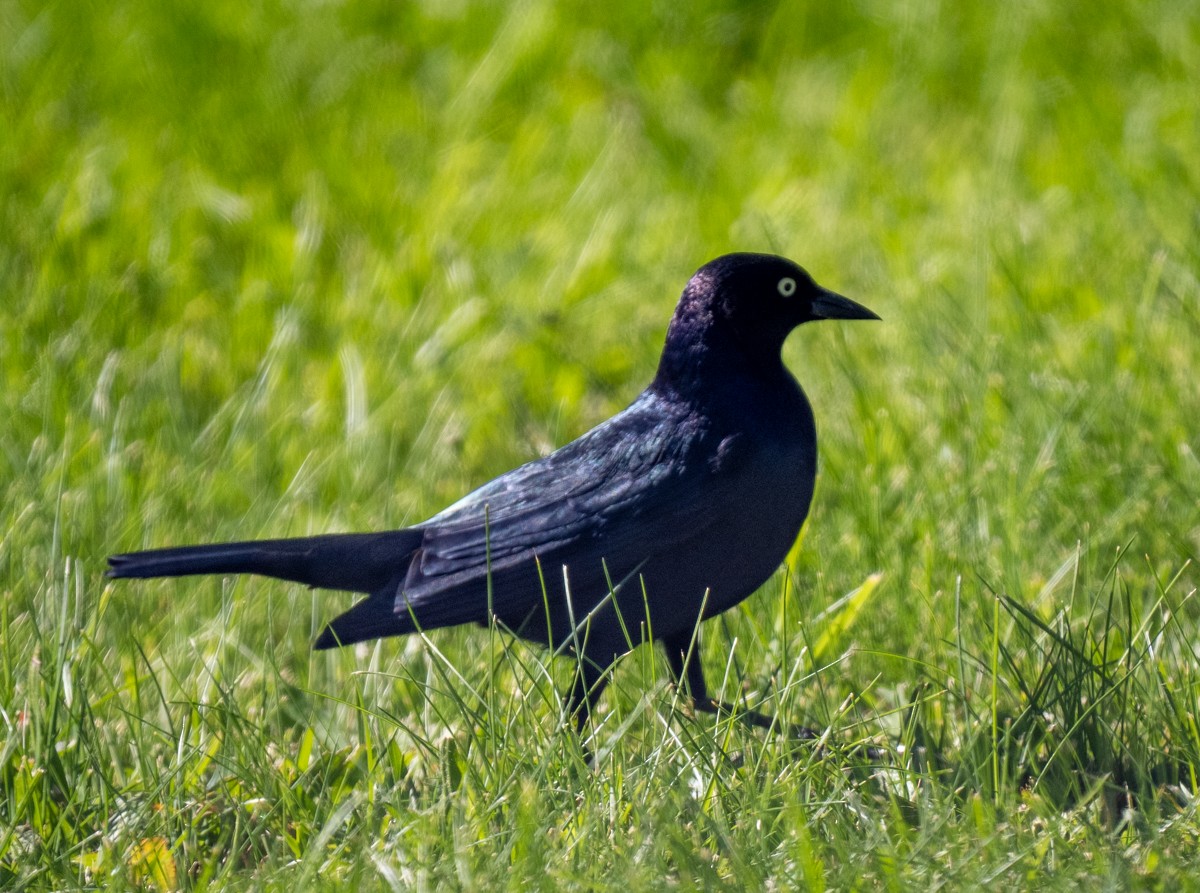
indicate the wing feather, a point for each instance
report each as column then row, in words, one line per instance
column 630, row 487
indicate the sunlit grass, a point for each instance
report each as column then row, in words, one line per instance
column 293, row 268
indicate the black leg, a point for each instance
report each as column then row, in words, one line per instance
column 689, row 672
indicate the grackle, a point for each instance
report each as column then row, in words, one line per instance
column 672, row 511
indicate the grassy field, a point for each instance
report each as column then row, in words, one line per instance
column 277, row 268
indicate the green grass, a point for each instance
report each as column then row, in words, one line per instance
column 276, row 269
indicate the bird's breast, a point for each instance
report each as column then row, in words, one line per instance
column 772, row 473
column 762, row 475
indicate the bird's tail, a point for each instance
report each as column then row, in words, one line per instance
column 371, row 618
column 352, row 562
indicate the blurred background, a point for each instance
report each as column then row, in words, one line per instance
column 276, row 268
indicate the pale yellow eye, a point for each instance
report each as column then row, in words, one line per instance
column 787, row 286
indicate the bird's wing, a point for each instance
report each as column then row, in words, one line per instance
column 632, row 486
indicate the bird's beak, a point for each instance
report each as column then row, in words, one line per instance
column 831, row 305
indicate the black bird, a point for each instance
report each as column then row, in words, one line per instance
column 673, row 510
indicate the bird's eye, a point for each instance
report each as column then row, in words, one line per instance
column 787, row 286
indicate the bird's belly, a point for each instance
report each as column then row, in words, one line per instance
column 723, row 563
column 742, row 551
column 727, row 560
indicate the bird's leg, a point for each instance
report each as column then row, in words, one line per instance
column 684, row 662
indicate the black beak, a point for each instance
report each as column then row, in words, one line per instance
column 831, row 305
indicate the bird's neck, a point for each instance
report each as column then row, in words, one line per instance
column 699, row 361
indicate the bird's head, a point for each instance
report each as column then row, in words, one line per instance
column 747, row 303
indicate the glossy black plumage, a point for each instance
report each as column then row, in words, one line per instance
column 679, row 506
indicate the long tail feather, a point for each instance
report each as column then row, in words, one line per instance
column 353, row 562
